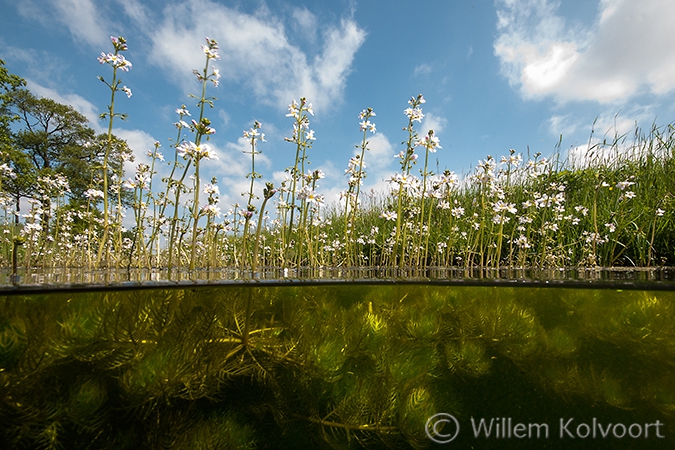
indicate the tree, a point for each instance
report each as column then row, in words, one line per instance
column 50, row 137
column 56, row 139
column 8, row 83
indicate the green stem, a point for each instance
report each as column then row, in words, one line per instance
column 103, row 245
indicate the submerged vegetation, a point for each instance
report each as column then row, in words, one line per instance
column 614, row 208
column 330, row 366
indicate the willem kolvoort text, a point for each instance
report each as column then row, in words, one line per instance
column 506, row 428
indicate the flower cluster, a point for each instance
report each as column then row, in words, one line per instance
column 301, row 132
column 429, row 142
column 414, row 112
column 115, row 59
column 211, row 49
column 189, row 149
column 254, row 134
column 295, row 110
column 365, row 123
column 211, row 52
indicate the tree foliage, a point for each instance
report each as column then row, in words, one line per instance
column 52, row 138
column 8, row 83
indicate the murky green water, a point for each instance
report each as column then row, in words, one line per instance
column 338, row 366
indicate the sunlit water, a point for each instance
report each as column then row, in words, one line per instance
column 339, row 365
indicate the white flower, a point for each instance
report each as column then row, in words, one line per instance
column 129, row 184
column 500, row 219
column 582, row 209
column 313, row 197
column 293, row 109
column 522, row 242
column 7, row 171
column 457, row 212
column 501, row 207
column 513, row 160
column 414, row 114
column 190, row 150
column 430, row 142
column 389, row 215
column 93, row 193
column 211, row 189
column 449, row 179
column 367, row 125
column 216, row 77
column 211, row 210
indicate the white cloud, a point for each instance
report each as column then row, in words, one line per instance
column 81, row 105
column 306, row 23
column 619, row 56
column 136, row 11
column 140, row 143
column 231, row 168
column 257, row 52
column 607, row 124
column 598, row 153
column 81, row 17
column 432, row 122
column 563, row 124
column 90, row 22
column 381, row 163
column 422, row 69
column 613, row 136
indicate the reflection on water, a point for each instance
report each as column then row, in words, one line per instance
column 337, row 366
column 67, row 276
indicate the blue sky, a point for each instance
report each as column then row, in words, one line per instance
column 496, row 74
